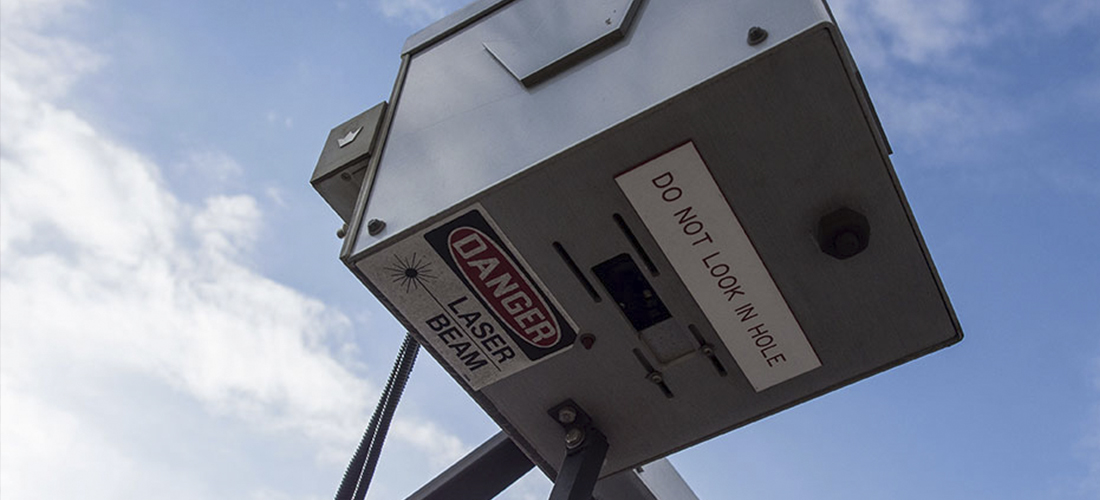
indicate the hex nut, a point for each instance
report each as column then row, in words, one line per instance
column 567, row 415
column 574, row 437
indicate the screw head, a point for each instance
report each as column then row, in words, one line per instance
column 588, row 340
column 567, row 415
column 343, row 231
column 757, row 35
column 345, row 176
column 655, row 377
column 708, row 350
column 574, row 437
column 375, row 226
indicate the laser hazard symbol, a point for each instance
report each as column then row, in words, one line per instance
column 476, row 304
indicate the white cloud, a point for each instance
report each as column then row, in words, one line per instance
column 928, row 66
column 107, row 277
column 1062, row 15
column 415, row 13
column 215, row 168
column 428, row 436
column 274, row 118
column 943, row 119
column 48, row 76
column 48, row 453
column 916, row 32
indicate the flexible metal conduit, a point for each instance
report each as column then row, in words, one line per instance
column 358, row 476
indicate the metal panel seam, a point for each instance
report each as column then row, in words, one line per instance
column 421, row 40
column 379, row 147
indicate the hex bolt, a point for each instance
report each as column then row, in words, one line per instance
column 843, row 233
column 375, row 226
column 567, row 415
column 757, row 35
column 574, row 437
column 343, row 231
column 847, row 243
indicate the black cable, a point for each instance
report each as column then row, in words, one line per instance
column 358, row 475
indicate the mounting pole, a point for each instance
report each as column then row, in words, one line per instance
column 581, row 468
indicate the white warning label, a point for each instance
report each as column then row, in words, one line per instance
column 681, row 205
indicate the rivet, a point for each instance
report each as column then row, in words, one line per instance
column 757, row 35
column 375, row 226
column 343, row 231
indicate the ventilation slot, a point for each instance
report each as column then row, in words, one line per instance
column 637, row 246
column 576, row 271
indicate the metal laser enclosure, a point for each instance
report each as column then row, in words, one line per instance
column 679, row 216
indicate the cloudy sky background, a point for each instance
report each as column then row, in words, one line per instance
column 174, row 320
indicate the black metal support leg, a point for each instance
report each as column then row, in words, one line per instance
column 581, row 468
column 480, row 475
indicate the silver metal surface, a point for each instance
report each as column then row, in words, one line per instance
column 464, row 123
column 539, row 38
column 663, row 482
column 788, row 134
column 450, row 24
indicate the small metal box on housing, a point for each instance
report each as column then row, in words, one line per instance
column 698, row 191
column 342, row 167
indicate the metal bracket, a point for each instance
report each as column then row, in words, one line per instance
column 586, row 448
column 480, row 475
column 497, row 463
column 538, row 39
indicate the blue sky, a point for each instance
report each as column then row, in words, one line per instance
column 173, row 317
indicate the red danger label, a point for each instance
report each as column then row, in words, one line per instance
column 503, row 286
column 495, row 276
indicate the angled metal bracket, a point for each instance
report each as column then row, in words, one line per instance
column 538, row 39
column 577, row 477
